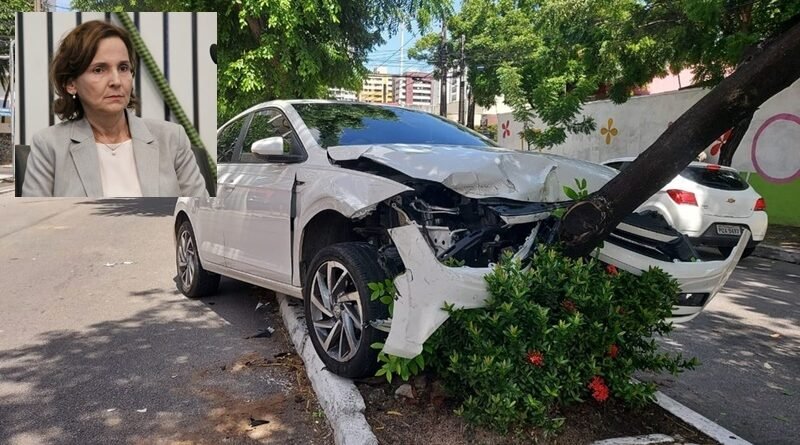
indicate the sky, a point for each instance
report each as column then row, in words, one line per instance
column 388, row 54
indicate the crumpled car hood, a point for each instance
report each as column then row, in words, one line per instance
column 484, row 172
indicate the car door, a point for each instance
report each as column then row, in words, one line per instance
column 258, row 200
column 209, row 227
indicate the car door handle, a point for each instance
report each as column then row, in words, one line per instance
column 228, row 187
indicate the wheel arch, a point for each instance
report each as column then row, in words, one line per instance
column 323, row 229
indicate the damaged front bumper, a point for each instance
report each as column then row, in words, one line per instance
column 427, row 284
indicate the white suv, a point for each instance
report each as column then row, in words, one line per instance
column 318, row 199
column 709, row 203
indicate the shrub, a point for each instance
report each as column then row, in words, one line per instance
column 555, row 332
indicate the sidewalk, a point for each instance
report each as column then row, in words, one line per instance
column 782, row 243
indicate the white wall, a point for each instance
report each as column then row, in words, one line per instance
column 195, row 88
column 640, row 121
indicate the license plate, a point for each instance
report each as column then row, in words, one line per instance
column 728, row 230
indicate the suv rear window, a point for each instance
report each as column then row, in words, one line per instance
column 716, row 179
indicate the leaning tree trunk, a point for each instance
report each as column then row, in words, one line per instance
column 770, row 70
column 728, row 149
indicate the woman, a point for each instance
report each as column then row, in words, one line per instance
column 101, row 149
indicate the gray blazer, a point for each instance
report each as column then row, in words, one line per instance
column 64, row 162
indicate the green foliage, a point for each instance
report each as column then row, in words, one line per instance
column 549, row 57
column 558, row 332
column 399, row 366
column 453, row 262
column 385, row 292
column 576, row 195
column 290, row 49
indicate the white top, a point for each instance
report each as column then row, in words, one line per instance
column 118, row 170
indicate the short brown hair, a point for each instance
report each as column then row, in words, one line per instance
column 75, row 52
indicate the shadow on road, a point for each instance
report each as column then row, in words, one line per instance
column 748, row 343
column 197, row 377
column 133, row 206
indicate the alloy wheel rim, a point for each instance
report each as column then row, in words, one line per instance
column 336, row 311
column 187, row 259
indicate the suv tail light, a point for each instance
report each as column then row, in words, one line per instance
column 682, row 197
column 760, row 205
column 713, row 167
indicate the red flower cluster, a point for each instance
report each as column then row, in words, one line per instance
column 536, row 358
column 612, row 269
column 613, row 351
column 599, row 389
column 569, row 306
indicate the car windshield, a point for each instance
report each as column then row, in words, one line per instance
column 336, row 124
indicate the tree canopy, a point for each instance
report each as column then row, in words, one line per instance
column 548, row 57
column 290, row 49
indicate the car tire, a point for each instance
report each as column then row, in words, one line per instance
column 338, row 308
column 726, row 251
column 193, row 281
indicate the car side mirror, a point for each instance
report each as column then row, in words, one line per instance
column 268, row 147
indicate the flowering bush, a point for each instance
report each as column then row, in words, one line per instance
column 558, row 332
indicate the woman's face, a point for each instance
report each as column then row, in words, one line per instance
column 105, row 86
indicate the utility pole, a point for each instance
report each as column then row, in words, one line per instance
column 443, row 72
column 37, row 6
column 461, row 118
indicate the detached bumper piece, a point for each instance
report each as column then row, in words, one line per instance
column 426, row 284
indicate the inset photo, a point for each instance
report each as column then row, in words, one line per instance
column 114, row 104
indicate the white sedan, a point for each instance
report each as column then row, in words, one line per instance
column 709, row 203
column 317, row 199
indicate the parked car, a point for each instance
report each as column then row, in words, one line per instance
column 317, row 199
column 709, row 203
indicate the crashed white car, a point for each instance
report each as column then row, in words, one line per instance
column 317, row 199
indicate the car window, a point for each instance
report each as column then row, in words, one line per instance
column 337, row 124
column 617, row 165
column 226, row 140
column 715, row 178
column 270, row 123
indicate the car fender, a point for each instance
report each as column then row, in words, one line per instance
column 350, row 193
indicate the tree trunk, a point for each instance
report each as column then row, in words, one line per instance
column 471, row 110
column 730, row 146
column 770, row 70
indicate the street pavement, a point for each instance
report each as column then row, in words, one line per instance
column 98, row 347
column 93, row 332
column 748, row 343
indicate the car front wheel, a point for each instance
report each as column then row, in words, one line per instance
column 193, row 280
column 338, row 308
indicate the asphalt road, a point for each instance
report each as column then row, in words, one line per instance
column 748, row 343
column 97, row 346
column 93, row 332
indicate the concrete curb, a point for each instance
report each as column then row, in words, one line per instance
column 340, row 399
column 706, row 426
column 776, row 253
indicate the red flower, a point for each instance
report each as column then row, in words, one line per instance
column 613, row 350
column 536, row 358
column 569, row 306
column 599, row 389
column 612, row 269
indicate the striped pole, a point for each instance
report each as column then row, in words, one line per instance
column 164, row 88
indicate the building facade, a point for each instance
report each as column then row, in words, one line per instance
column 378, row 88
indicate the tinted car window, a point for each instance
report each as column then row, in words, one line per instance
column 266, row 124
column 334, row 124
column 717, row 179
column 226, row 140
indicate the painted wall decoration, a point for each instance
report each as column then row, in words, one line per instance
column 779, row 129
column 609, row 131
column 768, row 154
